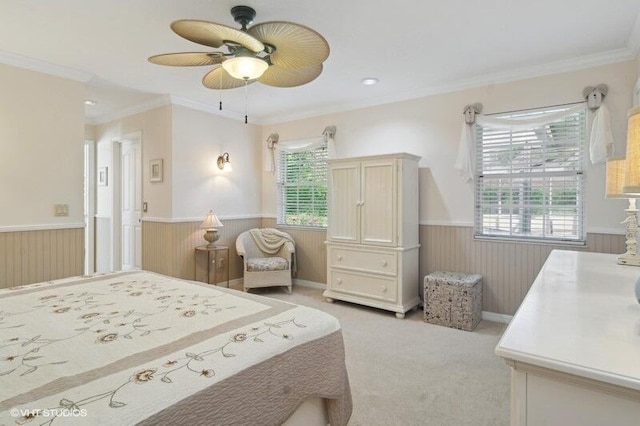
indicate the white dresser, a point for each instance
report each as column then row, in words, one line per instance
column 574, row 344
column 372, row 233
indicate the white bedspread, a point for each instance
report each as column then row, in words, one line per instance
column 125, row 347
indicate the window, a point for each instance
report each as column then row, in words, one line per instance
column 302, row 187
column 530, row 182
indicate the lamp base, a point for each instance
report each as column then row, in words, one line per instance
column 629, row 259
column 211, row 236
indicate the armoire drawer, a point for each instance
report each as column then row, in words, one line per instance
column 362, row 260
column 362, row 285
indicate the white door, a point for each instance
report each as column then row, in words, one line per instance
column 89, row 206
column 131, row 166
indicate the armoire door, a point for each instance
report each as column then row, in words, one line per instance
column 344, row 202
column 379, row 202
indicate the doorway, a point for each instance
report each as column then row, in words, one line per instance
column 89, row 206
column 128, row 202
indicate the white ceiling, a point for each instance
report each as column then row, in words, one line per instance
column 415, row 48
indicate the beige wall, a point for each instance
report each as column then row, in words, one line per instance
column 198, row 139
column 430, row 127
column 189, row 141
column 155, row 126
column 41, row 164
column 41, row 146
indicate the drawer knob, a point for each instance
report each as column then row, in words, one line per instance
column 339, row 257
column 383, row 263
column 383, row 288
column 339, row 280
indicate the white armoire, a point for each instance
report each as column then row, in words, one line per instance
column 372, row 232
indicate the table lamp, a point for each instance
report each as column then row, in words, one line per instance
column 631, row 187
column 210, row 224
column 615, row 189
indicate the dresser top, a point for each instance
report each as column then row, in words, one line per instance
column 579, row 317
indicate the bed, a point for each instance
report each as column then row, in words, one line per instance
column 142, row 348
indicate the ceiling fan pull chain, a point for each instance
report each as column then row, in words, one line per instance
column 220, row 91
column 246, row 100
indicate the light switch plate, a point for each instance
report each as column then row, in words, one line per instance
column 61, row 209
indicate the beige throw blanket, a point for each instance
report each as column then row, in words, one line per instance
column 269, row 240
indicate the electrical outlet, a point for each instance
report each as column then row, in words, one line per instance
column 61, row 209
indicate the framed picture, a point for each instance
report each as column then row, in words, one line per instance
column 155, row 170
column 103, row 176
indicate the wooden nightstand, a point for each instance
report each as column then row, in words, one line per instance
column 212, row 264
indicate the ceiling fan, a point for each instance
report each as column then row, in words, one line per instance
column 280, row 54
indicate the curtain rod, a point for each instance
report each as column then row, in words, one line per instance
column 538, row 108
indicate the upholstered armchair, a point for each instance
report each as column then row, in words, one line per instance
column 268, row 256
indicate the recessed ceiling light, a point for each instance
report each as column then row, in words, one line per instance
column 90, row 102
column 369, row 81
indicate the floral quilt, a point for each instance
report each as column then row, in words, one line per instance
column 136, row 347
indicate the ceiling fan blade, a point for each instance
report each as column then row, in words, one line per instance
column 279, row 76
column 296, row 45
column 187, row 59
column 214, row 35
column 219, row 79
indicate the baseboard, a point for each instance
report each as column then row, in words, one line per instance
column 493, row 317
column 235, row 283
column 309, row 284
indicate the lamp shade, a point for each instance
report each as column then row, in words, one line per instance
column 211, row 221
column 245, row 67
column 632, row 169
column 615, row 178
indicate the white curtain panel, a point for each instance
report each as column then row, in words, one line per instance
column 464, row 160
column 600, row 144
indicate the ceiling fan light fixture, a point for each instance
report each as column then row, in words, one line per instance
column 245, row 67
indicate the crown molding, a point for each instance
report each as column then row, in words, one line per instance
column 154, row 103
column 556, row 67
column 44, row 67
column 568, row 65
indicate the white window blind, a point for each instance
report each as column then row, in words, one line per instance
column 530, row 182
column 302, row 187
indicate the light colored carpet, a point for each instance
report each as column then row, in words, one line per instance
column 408, row 372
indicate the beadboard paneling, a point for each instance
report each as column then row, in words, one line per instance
column 168, row 248
column 508, row 268
column 311, row 251
column 28, row 257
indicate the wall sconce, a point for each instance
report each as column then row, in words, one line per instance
column 224, row 163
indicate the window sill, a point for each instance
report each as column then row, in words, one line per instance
column 484, row 238
column 302, row 227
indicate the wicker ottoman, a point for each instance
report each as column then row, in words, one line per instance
column 453, row 299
